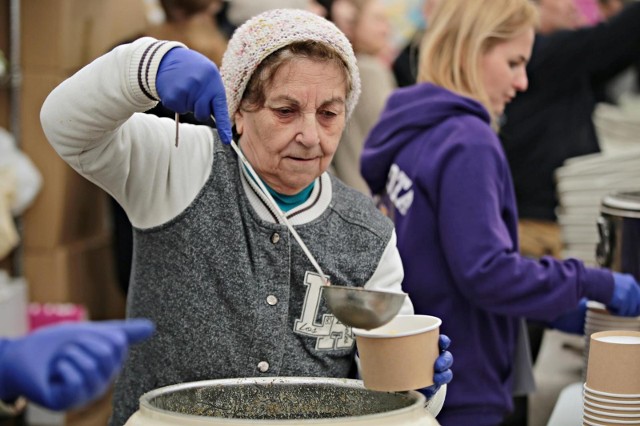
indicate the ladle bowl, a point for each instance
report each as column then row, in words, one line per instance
column 362, row 308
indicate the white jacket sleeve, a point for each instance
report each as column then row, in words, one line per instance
column 93, row 121
column 389, row 274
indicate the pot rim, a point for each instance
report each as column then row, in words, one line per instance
column 145, row 404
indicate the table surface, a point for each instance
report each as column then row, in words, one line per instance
column 568, row 408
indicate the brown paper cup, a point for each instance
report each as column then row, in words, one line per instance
column 614, row 362
column 607, row 420
column 400, row 355
column 612, row 407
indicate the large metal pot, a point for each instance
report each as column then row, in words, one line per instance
column 279, row 401
column 619, row 229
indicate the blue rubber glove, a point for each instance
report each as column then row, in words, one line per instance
column 67, row 365
column 188, row 81
column 442, row 368
column 626, row 296
column 573, row 321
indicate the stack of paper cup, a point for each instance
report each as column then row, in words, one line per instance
column 612, row 390
column 599, row 319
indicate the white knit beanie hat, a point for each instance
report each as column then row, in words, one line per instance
column 263, row 34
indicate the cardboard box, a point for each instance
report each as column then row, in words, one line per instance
column 64, row 35
column 124, row 19
column 58, row 35
column 82, row 272
column 5, row 108
column 4, row 46
column 4, row 26
column 95, row 414
column 68, row 207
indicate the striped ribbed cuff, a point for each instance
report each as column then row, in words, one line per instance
column 144, row 66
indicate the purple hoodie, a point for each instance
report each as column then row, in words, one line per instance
column 450, row 193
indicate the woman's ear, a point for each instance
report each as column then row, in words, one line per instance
column 234, row 134
column 239, row 122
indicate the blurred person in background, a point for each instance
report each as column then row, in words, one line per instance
column 588, row 13
column 230, row 292
column 342, row 13
column 371, row 33
column 405, row 66
column 193, row 23
column 436, row 163
column 609, row 8
column 627, row 83
column 240, row 11
column 552, row 121
column 65, row 366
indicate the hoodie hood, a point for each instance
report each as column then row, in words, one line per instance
column 410, row 113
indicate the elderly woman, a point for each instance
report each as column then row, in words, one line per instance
column 231, row 293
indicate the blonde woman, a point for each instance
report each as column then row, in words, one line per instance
column 436, row 158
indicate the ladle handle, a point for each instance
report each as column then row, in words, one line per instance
column 277, row 210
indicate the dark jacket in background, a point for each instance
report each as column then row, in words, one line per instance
column 405, row 66
column 552, row 120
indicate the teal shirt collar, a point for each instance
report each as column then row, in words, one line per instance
column 289, row 202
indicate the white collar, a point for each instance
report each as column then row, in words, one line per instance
column 316, row 204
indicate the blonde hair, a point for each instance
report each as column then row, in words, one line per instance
column 460, row 31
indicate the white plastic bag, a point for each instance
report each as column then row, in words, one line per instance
column 27, row 177
column 8, row 234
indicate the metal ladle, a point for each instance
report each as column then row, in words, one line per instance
column 353, row 306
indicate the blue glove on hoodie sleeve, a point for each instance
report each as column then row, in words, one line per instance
column 66, row 366
column 188, row 81
column 573, row 321
column 442, row 368
column 626, row 296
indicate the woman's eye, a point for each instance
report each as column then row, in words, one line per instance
column 283, row 112
column 516, row 64
column 328, row 114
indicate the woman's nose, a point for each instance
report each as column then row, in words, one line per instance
column 308, row 131
column 521, row 82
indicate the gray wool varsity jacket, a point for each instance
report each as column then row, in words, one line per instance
column 233, row 295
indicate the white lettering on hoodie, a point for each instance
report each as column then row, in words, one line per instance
column 397, row 182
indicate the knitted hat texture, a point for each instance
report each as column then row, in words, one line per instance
column 263, row 34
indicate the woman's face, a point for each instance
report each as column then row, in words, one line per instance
column 291, row 140
column 344, row 13
column 372, row 29
column 503, row 70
